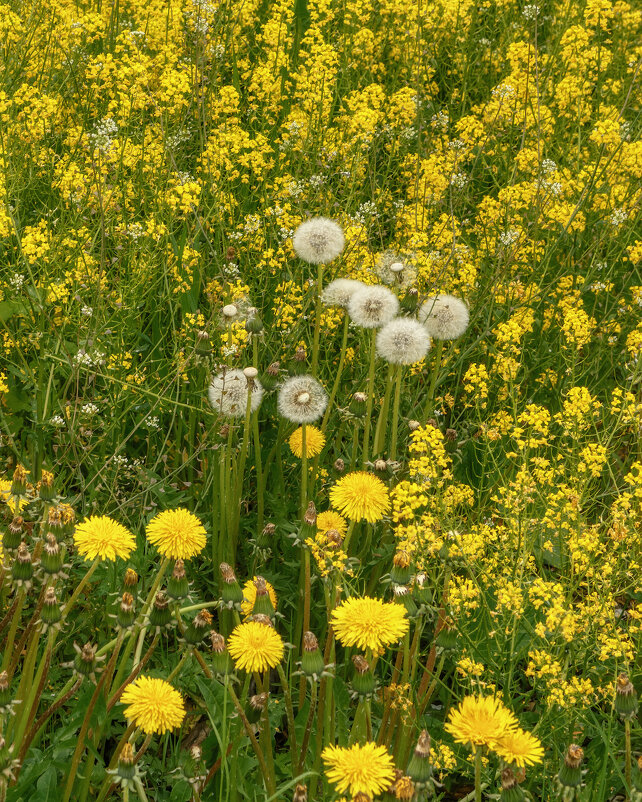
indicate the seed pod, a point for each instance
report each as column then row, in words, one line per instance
column 22, row 568
column 255, row 706
column 262, row 603
column 420, row 766
column 312, row 663
column 626, row 697
column 231, row 591
column 400, row 573
column 363, row 681
column 160, row 615
column 221, row 660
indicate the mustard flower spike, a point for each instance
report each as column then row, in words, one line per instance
column 403, row 341
column 444, row 316
column 318, row 240
column 373, row 307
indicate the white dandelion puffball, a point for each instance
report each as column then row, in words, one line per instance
column 444, row 316
column 373, row 307
column 318, row 240
column 392, row 269
column 339, row 291
column 228, row 393
column 302, row 399
column 403, row 341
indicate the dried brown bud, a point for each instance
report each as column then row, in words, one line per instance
column 269, row 529
column 509, row 780
column 380, row 465
column 451, row 435
column 360, row 663
column 413, row 425
column 339, row 465
column 401, row 559
column 334, row 538
column 224, row 430
column 273, row 369
column 126, row 755
column 310, row 642
column 423, row 744
column 260, row 618
column 161, row 602
column 261, row 586
column 300, row 793
column 131, row 578
column 218, row 642
column 310, row 516
column 4, row 681
column 50, row 596
column 15, row 527
column 127, row 602
column 178, row 571
column 227, row 572
column 230, row 253
column 258, row 701
column 300, row 354
column 23, row 555
column 360, row 398
column 574, row 756
column 203, row 619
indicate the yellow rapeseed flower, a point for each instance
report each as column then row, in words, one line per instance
column 361, row 495
column 369, row 623
column 314, row 441
column 520, row 748
column 178, row 534
column 101, row 536
column 366, row 769
column 249, row 596
column 154, row 705
column 255, row 647
column 331, row 520
column 480, row 721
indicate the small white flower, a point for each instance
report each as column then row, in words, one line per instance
column 373, row 307
column 57, row 420
column 89, row 409
column 318, row 240
column 403, row 341
column 86, row 311
column 302, row 399
column 228, row 393
column 339, row 291
column 444, row 316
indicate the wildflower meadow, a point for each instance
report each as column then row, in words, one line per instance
column 320, row 400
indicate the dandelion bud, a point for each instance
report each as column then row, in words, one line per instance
column 405, row 788
column 255, row 706
column 230, row 253
column 85, row 660
column 361, row 796
column 46, row 486
column 230, row 311
column 380, row 467
column 334, row 538
column 196, row 630
column 22, row 568
column 262, row 603
column 131, row 578
column 451, row 435
column 511, row 792
column 126, row 614
column 310, row 515
column 50, row 613
column 626, row 698
column 273, row 369
column 177, row 584
column 68, row 519
column 12, row 536
column 400, row 573
column 261, row 618
column 363, row 681
column 19, row 483
column 160, row 615
column 224, row 430
column 410, row 300
column 339, row 465
column 270, row 377
column 203, row 343
column 53, row 555
column 54, row 518
column 403, row 596
column 300, row 793
column 268, row 530
column 420, row 768
column 126, row 769
column 221, row 660
column 254, row 324
column 570, row 774
column 358, row 403
column 231, row 590
column 311, row 660
column 300, row 355
column 447, row 637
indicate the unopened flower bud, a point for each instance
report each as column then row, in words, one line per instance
column 231, row 591
column 570, row 774
column 262, row 602
column 50, row 613
column 339, row 465
column 198, row 628
column 310, row 516
column 125, row 614
column 221, row 660
column 160, row 615
column 131, row 578
column 358, row 403
column 420, row 766
column 311, row 660
column 626, row 698
column 53, row 555
column 255, row 706
column 363, row 681
column 254, row 325
column 400, row 573
column 177, row 584
column 300, row 793
column 12, row 536
column 46, row 486
column 126, row 769
column 85, row 660
column 19, row 483
column 22, row 568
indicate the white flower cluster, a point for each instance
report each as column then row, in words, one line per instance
column 103, row 134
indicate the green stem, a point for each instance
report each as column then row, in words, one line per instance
column 8, row 652
column 290, row 716
column 317, row 319
column 337, row 381
column 395, row 414
column 436, row 365
column 79, row 587
column 382, row 420
column 478, row 768
column 627, row 756
column 370, row 391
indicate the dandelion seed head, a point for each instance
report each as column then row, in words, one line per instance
column 339, row 291
column 373, row 307
column 318, row 240
column 444, row 316
column 403, row 341
column 302, row 399
column 228, row 393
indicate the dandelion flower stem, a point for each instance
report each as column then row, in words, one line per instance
column 436, row 365
column 478, row 768
column 371, row 381
column 382, row 420
column 337, row 381
column 317, row 319
column 627, row 755
column 79, row 587
column 290, row 716
column 395, row 414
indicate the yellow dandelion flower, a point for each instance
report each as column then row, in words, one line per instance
column 369, row 623
column 480, row 721
column 366, row 769
column 314, row 441
column 520, row 748
column 101, row 536
column 249, row 596
column 255, row 647
column 154, row 705
column 331, row 520
column 9, row 500
column 178, row 534
column 361, row 495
